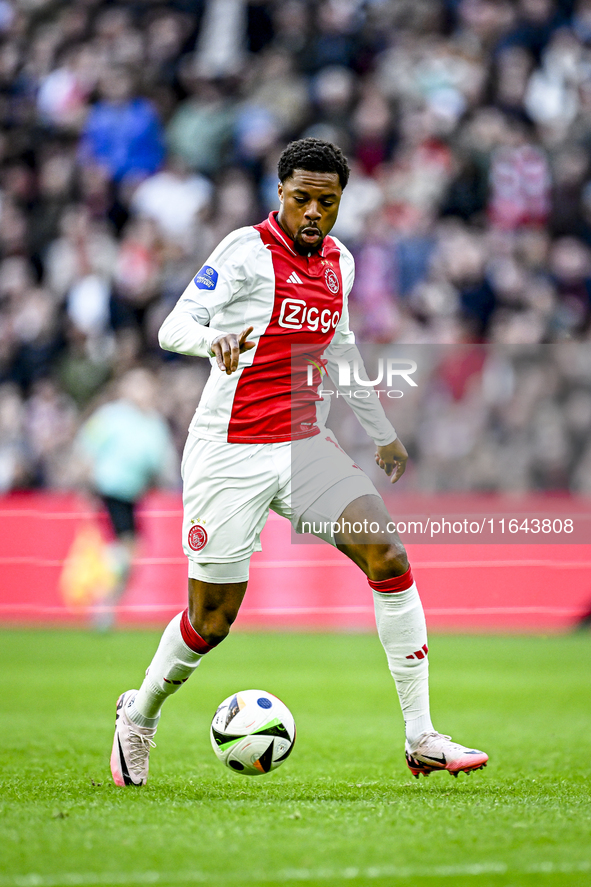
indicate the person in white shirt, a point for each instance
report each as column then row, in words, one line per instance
column 173, row 198
column 269, row 308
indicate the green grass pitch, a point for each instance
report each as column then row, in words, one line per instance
column 343, row 809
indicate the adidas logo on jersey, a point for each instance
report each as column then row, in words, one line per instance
column 293, row 278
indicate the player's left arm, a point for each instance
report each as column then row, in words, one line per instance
column 391, row 455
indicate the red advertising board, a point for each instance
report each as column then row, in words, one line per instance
column 464, row 586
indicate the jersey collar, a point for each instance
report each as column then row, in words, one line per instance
column 284, row 238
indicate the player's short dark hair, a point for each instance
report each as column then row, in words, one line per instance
column 313, row 155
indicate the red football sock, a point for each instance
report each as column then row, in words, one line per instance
column 391, row 586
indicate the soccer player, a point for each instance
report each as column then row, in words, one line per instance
column 258, row 441
column 123, row 449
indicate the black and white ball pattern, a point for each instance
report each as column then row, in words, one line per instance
column 252, row 732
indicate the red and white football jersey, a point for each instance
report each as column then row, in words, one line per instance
column 297, row 306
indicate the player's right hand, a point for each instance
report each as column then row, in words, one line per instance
column 227, row 349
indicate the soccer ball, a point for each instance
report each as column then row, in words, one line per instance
column 252, row 732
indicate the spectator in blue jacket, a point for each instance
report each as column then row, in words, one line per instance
column 122, row 132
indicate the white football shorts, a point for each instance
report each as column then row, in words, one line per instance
column 229, row 488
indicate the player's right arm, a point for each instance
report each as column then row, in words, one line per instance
column 228, row 347
column 187, row 329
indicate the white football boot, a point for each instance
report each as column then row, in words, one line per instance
column 130, row 757
column 433, row 751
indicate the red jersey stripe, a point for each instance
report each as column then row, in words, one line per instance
column 273, row 400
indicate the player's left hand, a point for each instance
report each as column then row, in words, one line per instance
column 392, row 458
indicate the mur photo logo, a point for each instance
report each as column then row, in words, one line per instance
column 352, row 376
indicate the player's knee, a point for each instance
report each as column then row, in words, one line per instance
column 214, row 631
column 387, row 561
column 213, row 626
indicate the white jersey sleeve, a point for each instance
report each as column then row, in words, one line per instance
column 342, row 334
column 222, row 278
column 369, row 410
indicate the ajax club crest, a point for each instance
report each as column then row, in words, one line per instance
column 332, row 281
column 197, row 538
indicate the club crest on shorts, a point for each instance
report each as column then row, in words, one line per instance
column 332, row 281
column 197, row 538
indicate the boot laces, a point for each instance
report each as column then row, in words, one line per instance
column 435, row 735
column 139, row 749
column 428, row 737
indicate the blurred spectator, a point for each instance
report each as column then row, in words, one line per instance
column 51, row 422
column 571, row 269
column 173, row 198
column 570, row 173
column 137, row 270
column 276, row 85
column 85, row 246
column 519, row 183
column 63, row 94
column 15, row 461
column 222, row 41
column 125, row 447
column 200, row 131
column 122, row 132
column 536, row 21
column 84, row 367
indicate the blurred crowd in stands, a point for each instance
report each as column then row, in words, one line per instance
column 135, row 134
column 495, row 418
